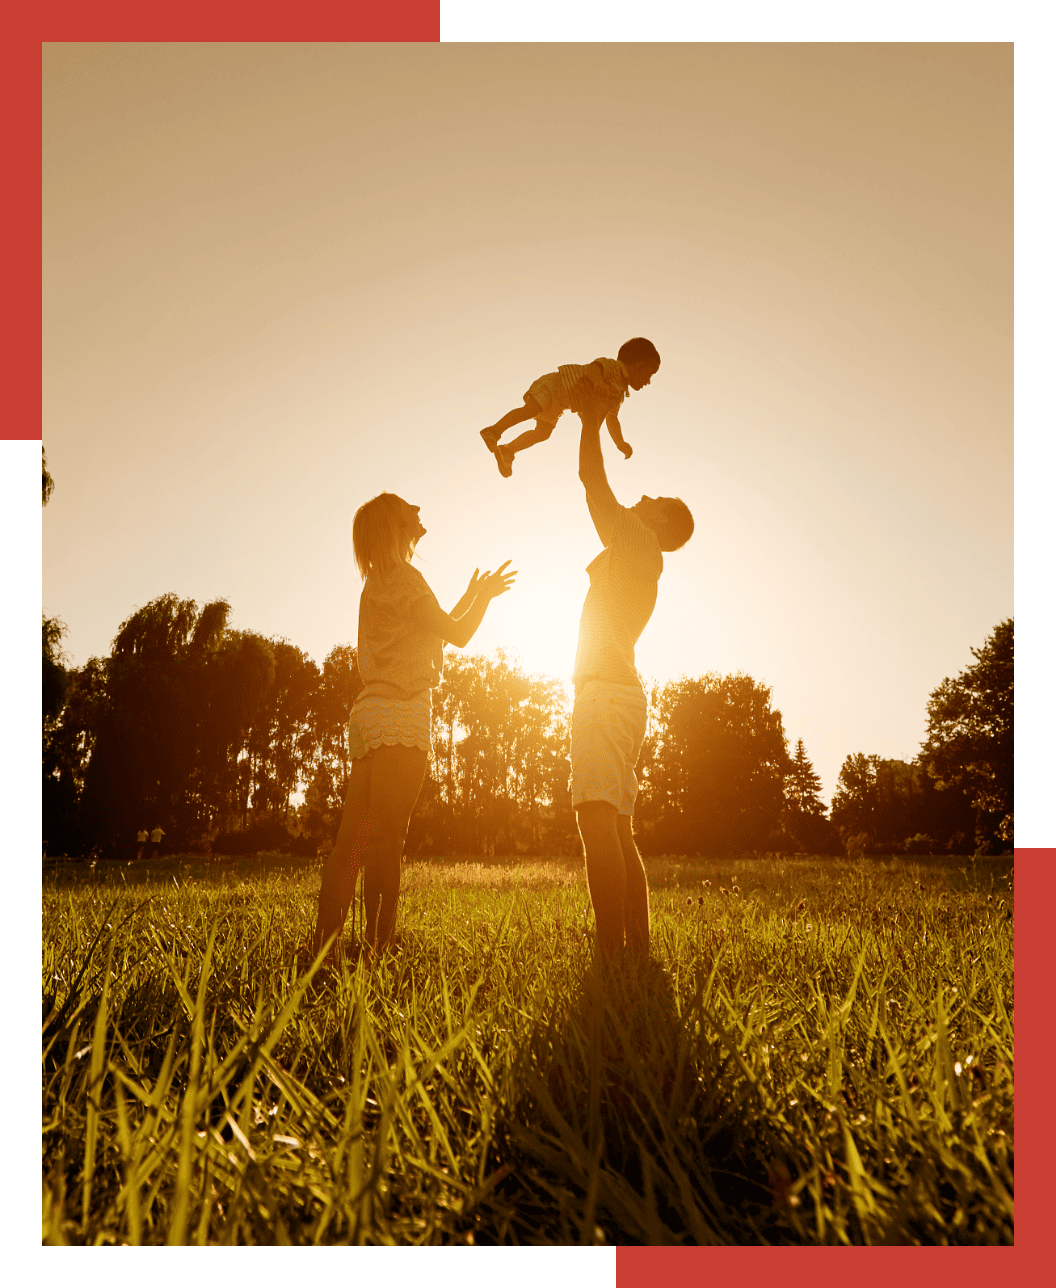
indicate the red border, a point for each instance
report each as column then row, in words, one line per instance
column 216, row 20
column 395, row 20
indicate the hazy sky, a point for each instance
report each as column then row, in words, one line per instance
column 279, row 279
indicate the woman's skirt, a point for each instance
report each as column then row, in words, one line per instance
column 378, row 720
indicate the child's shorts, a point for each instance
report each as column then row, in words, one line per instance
column 608, row 728
column 378, row 720
column 553, row 398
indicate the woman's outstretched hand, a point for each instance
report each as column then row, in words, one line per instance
column 492, row 584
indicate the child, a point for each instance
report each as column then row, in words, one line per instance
column 635, row 365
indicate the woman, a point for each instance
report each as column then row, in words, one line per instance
column 402, row 632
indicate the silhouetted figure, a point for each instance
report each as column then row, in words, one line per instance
column 606, row 379
column 609, row 715
column 142, row 837
column 402, row 632
column 156, row 837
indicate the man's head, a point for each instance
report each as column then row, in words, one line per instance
column 669, row 518
column 641, row 359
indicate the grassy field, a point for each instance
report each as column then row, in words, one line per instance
column 820, row 1051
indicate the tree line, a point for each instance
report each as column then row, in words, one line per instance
column 234, row 742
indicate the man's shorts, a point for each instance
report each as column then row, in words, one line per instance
column 608, row 728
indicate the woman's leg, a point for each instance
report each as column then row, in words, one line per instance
column 397, row 774
column 340, row 869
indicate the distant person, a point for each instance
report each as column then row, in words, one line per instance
column 142, row 836
column 609, row 713
column 156, row 838
column 402, row 632
column 558, row 391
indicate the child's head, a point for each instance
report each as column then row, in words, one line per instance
column 641, row 359
column 385, row 531
column 669, row 517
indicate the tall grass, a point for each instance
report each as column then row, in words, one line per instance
column 819, row 1051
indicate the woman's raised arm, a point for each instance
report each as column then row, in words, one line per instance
column 459, row 626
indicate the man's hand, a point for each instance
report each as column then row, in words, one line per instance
column 593, row 405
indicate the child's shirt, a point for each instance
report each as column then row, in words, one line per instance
column 610, row 383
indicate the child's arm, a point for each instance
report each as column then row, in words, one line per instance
column 612, row 424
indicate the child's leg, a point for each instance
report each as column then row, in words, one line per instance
column 539, row 434
column 505, row 452
column 492, row 433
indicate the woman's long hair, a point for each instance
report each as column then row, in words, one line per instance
column 380, row 536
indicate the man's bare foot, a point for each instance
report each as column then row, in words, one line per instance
column 504, row 460
column 490, row 438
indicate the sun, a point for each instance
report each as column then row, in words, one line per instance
column 537, row 626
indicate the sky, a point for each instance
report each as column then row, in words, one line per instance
column 279, row 279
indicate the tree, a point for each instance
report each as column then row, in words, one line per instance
column 891, row 806
column 969, row 742
column 47, row 483
column 58, row 793
column 281, row 745
column 855, row 802
column 237, row 688
column 806, row 829
column 331, row 706
column 802, row 786
column 54, row 675
column 713, row 767
column 499, row 781
column 69, row 742
column 145, row 764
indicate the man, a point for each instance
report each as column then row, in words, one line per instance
column 609, row 716
column 155, row 841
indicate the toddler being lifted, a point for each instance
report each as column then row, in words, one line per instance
column 551, row 395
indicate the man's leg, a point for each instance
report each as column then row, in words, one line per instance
column 606, row 872
column 636, row 898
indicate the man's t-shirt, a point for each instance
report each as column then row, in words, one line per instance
column 620, row 601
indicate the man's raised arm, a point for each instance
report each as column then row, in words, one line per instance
column 601, row 503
